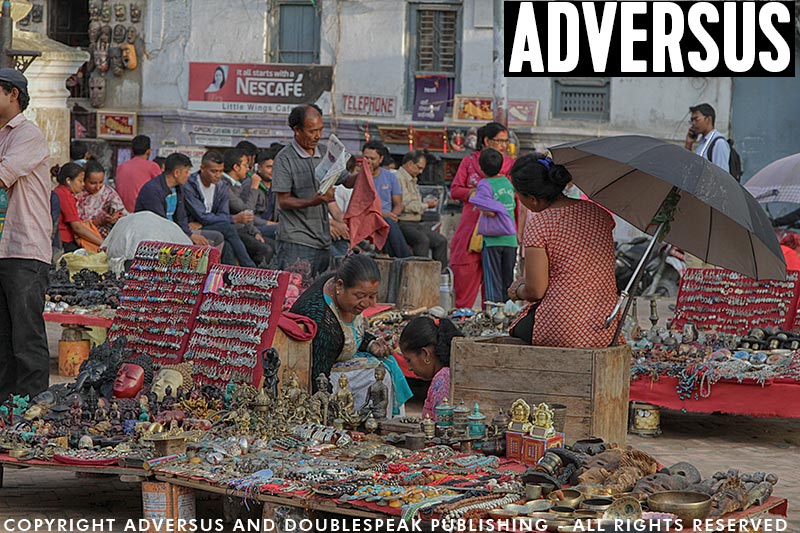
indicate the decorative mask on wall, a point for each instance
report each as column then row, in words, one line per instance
column 115, row 60
column 119, row 12
column 119, row 34
column 94, row 31
column 37, row 13
column 129, row 56
column 136, row 13
column 105, row 12
column 97, row 90
column 94, row 10
column 101, row 56
column 131, row 35
column 105, row 34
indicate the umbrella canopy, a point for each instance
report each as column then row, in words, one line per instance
column 717, row 219
column 777, row 182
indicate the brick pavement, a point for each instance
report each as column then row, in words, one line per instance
column 710, row 442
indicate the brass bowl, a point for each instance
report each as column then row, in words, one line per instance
column 547, row 488
column 561, row 511
column 567, row 497
column 501, row 514
column 539, row 506
column 533, row 492
column 685, row 505
column 596, row 504
column 592, row 491
column 585, row 514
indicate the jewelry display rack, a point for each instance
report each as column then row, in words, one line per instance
column 235, row 324
column 160, row 299
column 729, row 302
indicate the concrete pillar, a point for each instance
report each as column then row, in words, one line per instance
column 46, row 84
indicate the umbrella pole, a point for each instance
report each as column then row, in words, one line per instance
column 624, row 295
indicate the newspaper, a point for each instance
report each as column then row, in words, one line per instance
column 332, row 165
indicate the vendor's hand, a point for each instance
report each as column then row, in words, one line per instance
column 259, row 237
column 380, row 348
column 433, row 202
column 255, row 181
column 513, row 290
column 199, row 240
column 472, row 192
column 339, row 230
column 390, row 216
column 327, row 197
column 195, row 226
column 243, row 217
column 488, row 213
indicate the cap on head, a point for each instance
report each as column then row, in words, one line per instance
column 15, row 78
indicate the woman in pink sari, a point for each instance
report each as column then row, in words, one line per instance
column 99, row 203
column 466, row 265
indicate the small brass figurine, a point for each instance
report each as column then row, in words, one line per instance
column 343, row 397
column 543, row 422
column 520, row 417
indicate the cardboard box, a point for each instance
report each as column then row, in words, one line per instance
column 533, row 448
column 163, row 501
column 514, row 445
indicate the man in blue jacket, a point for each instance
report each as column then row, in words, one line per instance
column 206, row 197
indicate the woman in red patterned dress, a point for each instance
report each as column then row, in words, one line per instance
column 569, row 261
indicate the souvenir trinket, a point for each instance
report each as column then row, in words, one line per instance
column 428, row 427
column 460, row 420
column 543, row 422
column 444, row 414
column 477, row 423
column 520, row 417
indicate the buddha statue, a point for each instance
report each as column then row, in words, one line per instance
column 134, row 374
column 343, row 397
column 543, row 422
column 377, row 396
column 520, row 417
column 172, row 376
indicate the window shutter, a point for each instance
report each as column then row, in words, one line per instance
column 436, row 41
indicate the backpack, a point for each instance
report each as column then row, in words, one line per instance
column 734, row 161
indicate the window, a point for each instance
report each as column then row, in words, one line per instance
column 434, row 42
column 67, row 22
column 298, row 35
column 582, row 98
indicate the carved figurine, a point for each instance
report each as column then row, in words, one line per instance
column 343, row 397
column 131, row 34
column 101, row 414
column 292, row 390
column 377, row 396
column 271, row 363
column 105, row 11
column 115, row 60
column 136, row 13
column 94, row 31
column 172, row 376
column 100, row 62
column 520, row 417
column 94, row 10
column 134, row 374
column 119, row 12
column 119, row 33
column 543, row 422
column 76, row 412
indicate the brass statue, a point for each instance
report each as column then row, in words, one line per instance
column 543, row 422
column 520, row 417
column 343, row 397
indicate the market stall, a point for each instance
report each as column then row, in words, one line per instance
column 731, row 348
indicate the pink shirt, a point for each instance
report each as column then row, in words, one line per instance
column 24, row 160
column 438, row 390
column 131, row 177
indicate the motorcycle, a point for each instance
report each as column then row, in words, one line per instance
column 662, row 272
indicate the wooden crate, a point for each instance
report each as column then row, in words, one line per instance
column 594, row 384
column 295, row 356
column 385, row 266
column 419, row 284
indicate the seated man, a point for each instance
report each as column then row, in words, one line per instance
column 259, row 183
column 419, row 235
column 390, row 194
column 163, row 195
column 206, row 198
column 243, row 200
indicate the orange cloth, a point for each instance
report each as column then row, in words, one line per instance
column 363, row 217
column 792, row 259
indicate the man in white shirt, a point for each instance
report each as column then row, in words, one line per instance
column 711, row 145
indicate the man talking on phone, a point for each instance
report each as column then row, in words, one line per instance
column 710, row 143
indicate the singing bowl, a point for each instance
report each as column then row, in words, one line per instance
column 538, row 506
column 596, row 504
column 567, row 497
column 500, row 514
column 685, row 505
column 593, row 491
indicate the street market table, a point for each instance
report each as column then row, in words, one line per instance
column 79, row 319
column 128, row 474
column 777, row 398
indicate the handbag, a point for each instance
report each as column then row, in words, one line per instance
column 83, row 243
column 476, row 241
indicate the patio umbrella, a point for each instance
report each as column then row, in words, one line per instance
column 675, row 195
column 777, row 182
